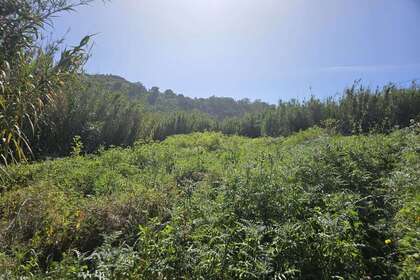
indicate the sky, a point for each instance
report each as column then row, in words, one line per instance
column 256, row 49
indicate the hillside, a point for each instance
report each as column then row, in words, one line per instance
column 156, row 100
column 206, row 206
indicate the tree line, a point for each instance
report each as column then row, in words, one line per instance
column 105, row 116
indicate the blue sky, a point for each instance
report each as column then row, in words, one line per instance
column 259, row 49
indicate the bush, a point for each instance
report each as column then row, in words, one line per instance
column 206, row 206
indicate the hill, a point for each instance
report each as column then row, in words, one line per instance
column 167, row 101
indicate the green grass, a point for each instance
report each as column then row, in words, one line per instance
column 209, row 206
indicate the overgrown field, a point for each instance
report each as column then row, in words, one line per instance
column 207, row 206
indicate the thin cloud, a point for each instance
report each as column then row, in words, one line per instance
column 369, row 68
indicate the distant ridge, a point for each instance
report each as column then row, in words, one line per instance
column 169, row 101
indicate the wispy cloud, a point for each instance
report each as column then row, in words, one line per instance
column 370, row 68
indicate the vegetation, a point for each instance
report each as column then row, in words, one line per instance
column 30, row 76
column 109, row 111
column 318, row 189
column 208, row 206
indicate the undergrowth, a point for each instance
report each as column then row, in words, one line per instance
column 207, row 206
